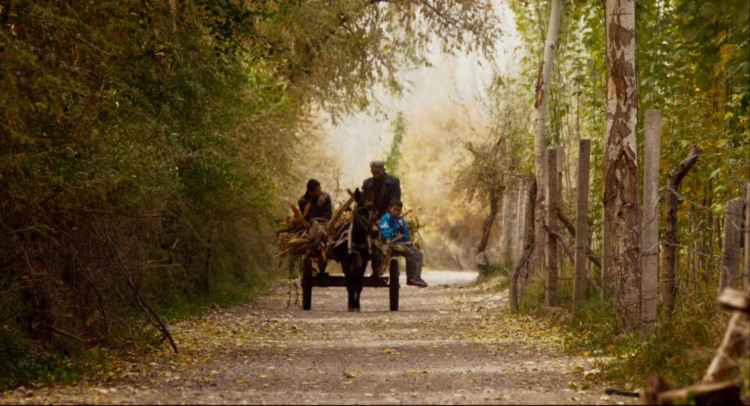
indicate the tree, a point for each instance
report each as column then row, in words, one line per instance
column 159, row 135
column 621, row 206
column 541, row 98
column 393, row 158
column 333, row 52
column 495, row 160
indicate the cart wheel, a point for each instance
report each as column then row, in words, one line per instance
column 394, row 284
column 306, row 285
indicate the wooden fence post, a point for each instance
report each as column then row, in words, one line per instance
column 550, row 285
column 650, row 222
column 746, row 262
column 731, row 250
column 582, row 223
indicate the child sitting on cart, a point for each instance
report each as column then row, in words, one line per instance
column 396, row 234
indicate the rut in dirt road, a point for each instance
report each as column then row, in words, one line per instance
column 453, row 342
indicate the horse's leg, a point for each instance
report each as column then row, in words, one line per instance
column 349, row 278
column 360, row 274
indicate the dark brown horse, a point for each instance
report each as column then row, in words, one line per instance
column 353, row 249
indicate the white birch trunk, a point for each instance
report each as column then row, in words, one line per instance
column 621, row 207
column 540, row 138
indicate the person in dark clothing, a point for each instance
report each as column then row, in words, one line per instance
column 316, row 206
column 380, row 191
column 385, row 188
column 315, row 203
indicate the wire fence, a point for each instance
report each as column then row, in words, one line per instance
column 710, row 252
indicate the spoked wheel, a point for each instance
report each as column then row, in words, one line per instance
column 306, row 284
column 394, row 284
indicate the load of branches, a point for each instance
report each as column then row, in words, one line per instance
column 298, row 238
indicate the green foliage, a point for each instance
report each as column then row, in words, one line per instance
column 533, row 295
column 333, row 52
column 144, row 146
column 497, row 154
column 693, row 63
column 592, row 327
column 392, row 159
column 697, row 330
column 130, row 151
column 630, row 360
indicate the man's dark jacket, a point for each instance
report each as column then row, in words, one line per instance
column 387, row 191
column 325, row 211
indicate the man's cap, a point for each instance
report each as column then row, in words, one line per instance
column 312, row 184
column 377, row 164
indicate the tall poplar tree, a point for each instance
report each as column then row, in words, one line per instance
column 620, row 181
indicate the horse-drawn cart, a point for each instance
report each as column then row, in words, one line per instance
column 311, row 278
column 351, row 241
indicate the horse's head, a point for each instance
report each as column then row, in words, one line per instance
column 363, row 219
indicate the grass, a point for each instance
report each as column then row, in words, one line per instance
column 23, row 363
column 498, row 274
column 679, row 350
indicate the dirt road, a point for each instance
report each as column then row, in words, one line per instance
column 450, row 343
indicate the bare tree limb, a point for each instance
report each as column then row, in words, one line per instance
column 513, row 289
column 590, row 254
column 153, row 317
column 569, row 252
column 66, row 334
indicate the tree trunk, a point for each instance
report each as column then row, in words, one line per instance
column 621, row 208
column 495, row 197
column 540, row 143
column 582, row 223
column 746, row 262
column 670, row 230
column 523, row 260
column 550, row 286
column 650, row 236
column 509, row 220
column 522, row 219
column 730, row 254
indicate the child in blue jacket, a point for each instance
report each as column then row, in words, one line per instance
column 394, row 231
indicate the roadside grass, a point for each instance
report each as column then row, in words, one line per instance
column 23, row 364
column 679, row 350
column 497, row 275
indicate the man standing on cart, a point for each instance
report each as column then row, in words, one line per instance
column 384, row 189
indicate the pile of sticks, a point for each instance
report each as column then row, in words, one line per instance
column 299, row 238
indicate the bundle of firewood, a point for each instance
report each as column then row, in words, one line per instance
column 297, row 237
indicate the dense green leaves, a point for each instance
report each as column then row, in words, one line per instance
column 131, row 150
column 144, row 144
column 693, row 64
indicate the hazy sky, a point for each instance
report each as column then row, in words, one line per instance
column 459, row 78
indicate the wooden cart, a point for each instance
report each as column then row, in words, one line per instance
column 311, row 278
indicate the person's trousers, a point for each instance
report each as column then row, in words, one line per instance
column 413, row 258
